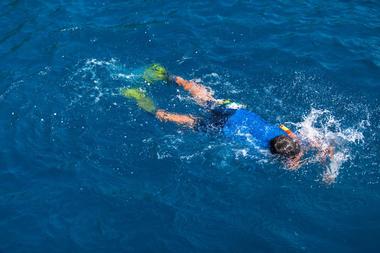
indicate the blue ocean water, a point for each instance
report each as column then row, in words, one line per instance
column 83, row 170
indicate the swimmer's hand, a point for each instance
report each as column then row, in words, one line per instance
column 295, row 162
column 323, row 154
column 293, row 165
column 328, row 178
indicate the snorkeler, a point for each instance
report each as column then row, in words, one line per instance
column 230, row 118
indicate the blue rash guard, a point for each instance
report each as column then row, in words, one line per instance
column 245, row 125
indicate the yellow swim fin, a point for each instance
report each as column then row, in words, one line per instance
column 154, row 73
column 141, row 99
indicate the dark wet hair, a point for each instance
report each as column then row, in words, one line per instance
column 285, row 146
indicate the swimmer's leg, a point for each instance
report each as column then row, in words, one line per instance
column 201, row 94
column 180, row 119
column 147, row 105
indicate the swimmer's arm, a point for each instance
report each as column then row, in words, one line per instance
column 295, row 162
column 323, row 152
column 180, row 119
column 201, row 94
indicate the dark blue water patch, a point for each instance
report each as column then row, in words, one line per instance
column 84, row 170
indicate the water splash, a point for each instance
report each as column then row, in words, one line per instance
column 115, row 69
column 94, row 79
column 324, row 130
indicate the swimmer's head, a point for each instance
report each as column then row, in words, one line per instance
column 284, row 146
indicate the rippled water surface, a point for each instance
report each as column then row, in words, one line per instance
column 83, row 170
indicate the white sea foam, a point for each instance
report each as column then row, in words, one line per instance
column 96, row 78
column 70, row 29
column 116, row 70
